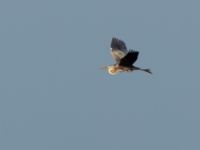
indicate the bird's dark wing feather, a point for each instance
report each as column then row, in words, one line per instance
column 118, row 44
column 129, row 59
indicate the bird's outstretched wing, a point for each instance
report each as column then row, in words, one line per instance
column 118, row 49
column 118, row 44
column 129, row 59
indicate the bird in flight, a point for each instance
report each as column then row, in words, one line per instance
column 124, row 58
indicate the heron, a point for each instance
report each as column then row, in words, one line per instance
column 124, row 58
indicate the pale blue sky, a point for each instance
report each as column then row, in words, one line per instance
column 54, row 96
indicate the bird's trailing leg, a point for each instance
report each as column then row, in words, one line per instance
column 145, row 70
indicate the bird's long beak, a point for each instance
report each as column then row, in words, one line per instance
column 103, row 67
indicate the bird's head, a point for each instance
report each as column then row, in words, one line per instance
column 111, row 69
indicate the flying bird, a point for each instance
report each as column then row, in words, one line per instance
column 124, row 58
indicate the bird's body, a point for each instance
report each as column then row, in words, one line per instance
column 124, row 58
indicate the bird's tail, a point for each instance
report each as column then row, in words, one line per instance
column 147, row 70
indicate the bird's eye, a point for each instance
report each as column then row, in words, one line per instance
column 112, row 70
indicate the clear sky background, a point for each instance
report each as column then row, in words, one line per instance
column 54, row 96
